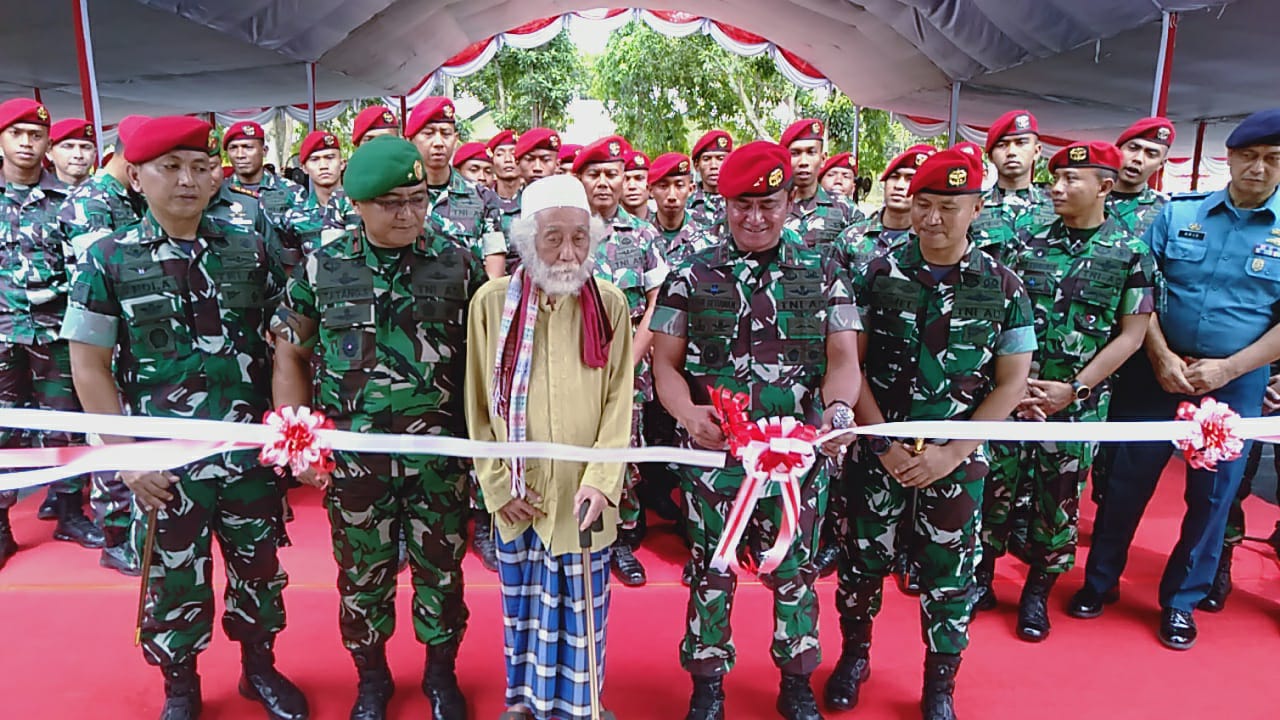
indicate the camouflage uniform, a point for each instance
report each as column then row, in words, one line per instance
column 388, row 327
column 238, row 207
column 95, row 209
column 678, row 244
column 759, row 330
column 1080, row 289
column 1005, row 213
column 630, row 257
column 189, row 329
column 475, row 210
column 35, row 366
column 1137, row 211
column 706, row 208
column 307, row 221
column 510, row 210
column 278, row 198
column 931, row 355
column 867, row 239
column 820, row 219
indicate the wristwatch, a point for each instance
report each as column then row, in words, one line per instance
column 879, row 444
column 1082, row 391
column 842, row 418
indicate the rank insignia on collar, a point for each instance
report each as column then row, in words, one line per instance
column 1194, row 226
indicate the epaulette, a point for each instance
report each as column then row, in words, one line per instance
column 1189, row 196
column 243, row 191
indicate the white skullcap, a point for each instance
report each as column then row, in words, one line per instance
column 553, row 192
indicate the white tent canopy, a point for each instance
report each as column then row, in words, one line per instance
column 1085, row 67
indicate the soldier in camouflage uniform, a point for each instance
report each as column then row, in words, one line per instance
column 1013, row 203
column 706, row 205
column 630, row 257
column 432, row 128
column 246, row 145
column 670, row 183
column 474, row 162
column 383, row 310
column 765, row 315
column 372, row 122
column 169, row 315
column 35, row 369
column 888, row 228
column 103, row 204
column 326, row 206
column 1144, row 147
column 817, row 216
column 949, row 338
column 635, row 186
column 507, row 181
column 73, row 150
column 1091, row 285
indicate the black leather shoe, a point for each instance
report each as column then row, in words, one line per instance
column 120, row 559
column 937, row 702
column 49, row 508
column 73, row 526
column 440, row 683
column 1216, row 600
column 796, row 700
column 983, row 579
column 376, row 687
column 1033, row 606
column 181, row 692
column 483, row 543
column 8, row 546
column 707, row 702
column 1087, row 604
column 262, row 682
column 626, row 567
column 827, row 559
column 852, row 669
column 1177, row 629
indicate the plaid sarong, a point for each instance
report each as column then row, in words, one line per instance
column 544, row 629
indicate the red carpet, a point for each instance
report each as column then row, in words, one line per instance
column 68, row 630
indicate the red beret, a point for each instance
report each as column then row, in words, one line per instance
column 949, row 172
column 713, row 141
column 537, row 139
column 841, row 160
column 607, row 149
column 806, row 129
column 911, row 158
column 671, row 164
column 128, row 125
column 162, row 135
column 317, row 140
column 1014, row 122
column 243, row 130
column 756, row 169
column 568, row 153
column 374, row 117
column 1100, row 155
column 636, row 160
column 506, row 137
column 1155, row 129
column 472, row 151
column 22, row 110
column 71, row 129
column 431, row 110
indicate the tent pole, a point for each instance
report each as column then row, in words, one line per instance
column 857, row 131
column 1195, row 157
column 404, row 111
column 311, row 97
column 35, row 92
column 88, row 73
column 1164, row 64
column 953, row 121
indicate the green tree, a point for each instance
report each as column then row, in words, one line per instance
column 529, row 88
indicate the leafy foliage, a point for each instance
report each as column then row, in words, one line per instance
column 530, row 88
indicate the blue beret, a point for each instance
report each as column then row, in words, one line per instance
column 1260, row 128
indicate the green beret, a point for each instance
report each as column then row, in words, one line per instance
column 381, row 165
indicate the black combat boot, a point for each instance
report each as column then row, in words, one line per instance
column 73, row 526
column 1217, row 597
column 181, row 691
column 376, row 686
column 261, row 681
column 707, row 702
column 983, row 578
column 116, row 553
column 49, row 508
column 440, row 683
column 1033, row 606
column 940, row 671
column 626, row 566
column 8, row 546
column 482, row 541
column 795, row 698
column 852, row 669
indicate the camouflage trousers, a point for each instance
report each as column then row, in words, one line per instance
column 944, row 546
column 242, row 511
column 629, row 507
column 707, row 648
column 370, row 500
column 37, row 376
column 1235, row 516
column 1054, row 475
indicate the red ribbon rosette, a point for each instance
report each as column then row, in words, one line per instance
column 1213, row 438
column 296, row 444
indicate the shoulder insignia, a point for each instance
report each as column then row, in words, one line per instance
column 243, row 191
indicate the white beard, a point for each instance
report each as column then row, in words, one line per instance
column 560, row 279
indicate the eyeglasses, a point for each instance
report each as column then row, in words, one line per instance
column 416, row 202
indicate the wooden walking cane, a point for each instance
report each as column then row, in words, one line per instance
column 147, row 546
column 593, row 665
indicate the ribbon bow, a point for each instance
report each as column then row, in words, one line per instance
column 1213, row 438
column 296, row 444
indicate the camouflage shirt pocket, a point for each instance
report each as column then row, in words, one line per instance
column 157, row 327
column 349, row 336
